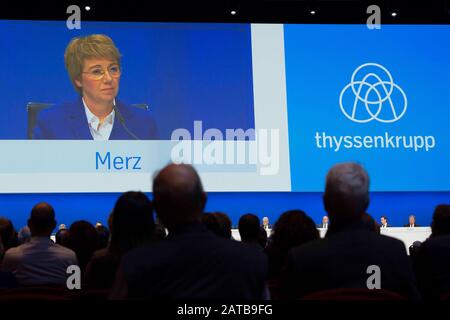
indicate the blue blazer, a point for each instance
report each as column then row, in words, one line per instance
column 68, row 122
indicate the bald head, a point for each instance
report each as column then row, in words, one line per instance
column 346, row 194
column 178, row 194
column 42, row 220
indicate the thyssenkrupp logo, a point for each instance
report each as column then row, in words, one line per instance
column 373, row 91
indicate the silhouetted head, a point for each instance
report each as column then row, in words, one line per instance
column 83, row 241
column 132, row 223
column 42, row 220
column 178, row 196
column 110, row 219
column 293, row 228
column 441, row 220
column 262, row 237
column 249, row 228
column 211, row 222
column 225, row 224
column 414, row 249
column 8, row 234
column 346, row 196
column 370, row 223
column 218, row 223
column 62, row 237
column 24, row 235
column 103, row 236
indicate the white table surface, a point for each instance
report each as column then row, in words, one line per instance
column 407, row 235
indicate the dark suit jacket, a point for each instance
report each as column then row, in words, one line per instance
column 340, row 260
column 194, row 263
column 101, row 269
column 8, row 280
column 415, row 225
column 69, row 122
column 433, row 266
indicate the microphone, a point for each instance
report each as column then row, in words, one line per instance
column 122, row 122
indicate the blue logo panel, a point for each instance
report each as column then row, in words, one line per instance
column 377, row 97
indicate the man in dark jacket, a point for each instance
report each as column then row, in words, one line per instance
column 352, row 248
column 192, row 262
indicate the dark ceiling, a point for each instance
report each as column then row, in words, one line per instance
column 280, row 11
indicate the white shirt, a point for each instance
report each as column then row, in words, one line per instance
column 103, row 131
column 39, row 261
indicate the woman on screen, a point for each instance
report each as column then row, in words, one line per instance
column 94, row 68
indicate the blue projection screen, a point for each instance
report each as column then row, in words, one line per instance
column 254, row 107
column 379, row 98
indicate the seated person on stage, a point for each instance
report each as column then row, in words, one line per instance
column 93, row 64
column 351, row 245
column 384, row 222
column 40, row 261
column 266, row 225
column 324, row 224
column 411, row 222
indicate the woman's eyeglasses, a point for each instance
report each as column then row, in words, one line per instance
column 98, row 73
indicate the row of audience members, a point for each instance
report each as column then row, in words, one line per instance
column 198, row 258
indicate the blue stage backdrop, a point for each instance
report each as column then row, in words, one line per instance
column 96, row 207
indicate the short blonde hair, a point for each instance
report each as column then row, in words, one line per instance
column 82, row 48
